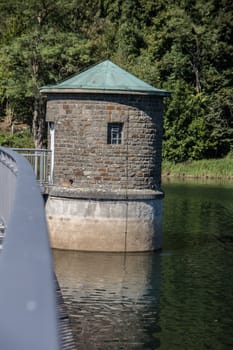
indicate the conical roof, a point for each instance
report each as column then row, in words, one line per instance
column 104, row 77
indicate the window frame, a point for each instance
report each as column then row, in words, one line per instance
column 115, row 133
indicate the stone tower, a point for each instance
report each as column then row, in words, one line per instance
column 106, row 140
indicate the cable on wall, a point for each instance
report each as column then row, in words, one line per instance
column 127, row 183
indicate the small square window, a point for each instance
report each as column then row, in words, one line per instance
column 115, row 132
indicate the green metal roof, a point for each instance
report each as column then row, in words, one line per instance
column 105, row 76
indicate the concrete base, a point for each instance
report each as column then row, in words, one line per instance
column 114, row 225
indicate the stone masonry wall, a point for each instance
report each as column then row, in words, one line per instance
column 82, row 156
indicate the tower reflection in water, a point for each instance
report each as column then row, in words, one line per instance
column 112, row 299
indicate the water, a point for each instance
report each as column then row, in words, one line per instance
column 180, row 298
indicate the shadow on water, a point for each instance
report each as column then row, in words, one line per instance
column 178, row 299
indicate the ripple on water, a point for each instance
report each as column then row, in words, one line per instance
column 179, row 299
column 114, row 317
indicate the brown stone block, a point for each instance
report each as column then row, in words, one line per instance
column 110, row 107
column 98, row 178
column 78, row 172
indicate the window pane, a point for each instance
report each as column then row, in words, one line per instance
column 115, row 133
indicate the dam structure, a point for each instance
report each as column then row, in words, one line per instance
column 105, row 137
column 33, row 313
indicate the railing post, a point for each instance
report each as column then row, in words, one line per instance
column 41, row 171
column 36, row 165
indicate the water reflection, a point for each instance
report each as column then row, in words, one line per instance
column 196, row 213
column 179, row 299
column 196, row 302
column 112, row 298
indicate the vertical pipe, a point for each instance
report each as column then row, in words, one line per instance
column 52, row 131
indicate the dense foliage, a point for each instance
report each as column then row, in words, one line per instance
column 184, row 46
column 20, row 139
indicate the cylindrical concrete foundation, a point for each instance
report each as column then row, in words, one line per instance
column 108, row 223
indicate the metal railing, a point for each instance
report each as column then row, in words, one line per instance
column 28, row 317
column 40, row 160
column 8, row 172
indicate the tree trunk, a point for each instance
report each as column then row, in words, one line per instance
column 197, row 65
column 38, row 123
column 197, row 80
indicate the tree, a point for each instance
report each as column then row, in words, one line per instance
column 184, row 46
column 189, row 47
column 40, row 52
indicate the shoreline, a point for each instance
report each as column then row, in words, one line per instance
column 201, row 177
column 219, row 169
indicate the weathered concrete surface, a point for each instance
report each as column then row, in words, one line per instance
column 105, row 225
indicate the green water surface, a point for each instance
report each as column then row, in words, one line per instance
column 176, row 299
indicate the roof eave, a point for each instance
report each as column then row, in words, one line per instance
column 55, row 90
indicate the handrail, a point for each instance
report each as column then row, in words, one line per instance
column 28, row 317
column 39, row 158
